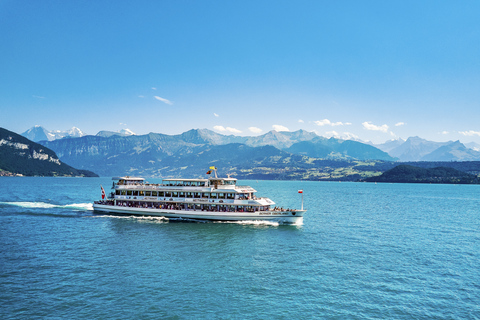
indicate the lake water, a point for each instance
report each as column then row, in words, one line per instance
column 364, row 251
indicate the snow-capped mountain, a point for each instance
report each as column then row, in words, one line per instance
column 39, row 133
column 122, row 133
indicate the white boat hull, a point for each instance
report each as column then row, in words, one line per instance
column 290, row 217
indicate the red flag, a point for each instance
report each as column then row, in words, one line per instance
column 210, row 171
column 103, row 192
column 300, row 191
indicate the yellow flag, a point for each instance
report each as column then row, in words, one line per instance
column 213, row 168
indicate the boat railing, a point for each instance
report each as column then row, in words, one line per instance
column 155, row 186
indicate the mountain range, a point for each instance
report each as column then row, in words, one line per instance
column 305, row 143
column 189, row 153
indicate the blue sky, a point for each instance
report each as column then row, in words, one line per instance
column 376, row 70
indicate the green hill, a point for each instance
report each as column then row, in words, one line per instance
column 20, row 156
column 411, row 174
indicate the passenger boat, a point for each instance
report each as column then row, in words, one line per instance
column 219, row 199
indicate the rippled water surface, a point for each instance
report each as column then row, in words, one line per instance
column 364, row 251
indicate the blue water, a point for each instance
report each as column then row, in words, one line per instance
column 364, row 251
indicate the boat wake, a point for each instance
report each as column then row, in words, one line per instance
column 45, row 205
column 157, row 219
column 136, row 218
column 253, row 222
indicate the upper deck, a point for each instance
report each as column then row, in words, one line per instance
column 202, row 185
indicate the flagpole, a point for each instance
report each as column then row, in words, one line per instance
column 301, row 191
column 302, row 200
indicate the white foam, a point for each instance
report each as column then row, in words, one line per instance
column 253, row 222
column 140, row 218
column 81, row 206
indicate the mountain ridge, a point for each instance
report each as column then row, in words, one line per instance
column 21, row 156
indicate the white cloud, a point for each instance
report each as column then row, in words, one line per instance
column 301, row 121
column 326, row 122
column 398, row 124
column 229, row 129
column 255, row 129
column 216, row 115
column 344, row 136
column 141, row 96
column 370, row 126
column 445, row 132
column 163, row 100
column 470, row 133
column 38, row 97
column 233, row 130
column 278, row 127
column 153, row 88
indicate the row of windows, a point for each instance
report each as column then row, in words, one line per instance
column 191, row 206
column 185, row 183
column 175, row 194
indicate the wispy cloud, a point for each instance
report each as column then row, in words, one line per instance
column 255, row 129
column 344, row 136
column 153, row 88
column 399, row 124
column 470, row 133
column 445, row 132
column 163, row 100
column 38, row 97
column 216, row 115
column 141, row 96
column 326, row 122
column 227, row 129
column 369, row 126
column 301, row 121
column 278, row 127
column 123, row 124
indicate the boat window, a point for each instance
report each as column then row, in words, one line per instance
column 148, row 193
column 117, row 192
column 168, row 194
column 175, row 194
column 213, row 195
column 129, row 192
column 135, row 193
column 154, row 193
column 161, row 194
column 196, row 195
column 141, row 193
column 230, row 196
column 181, row 194
column 205, row 195
column 202, row 184
column 124, row 192
column 221, row 196
column 189, row 194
